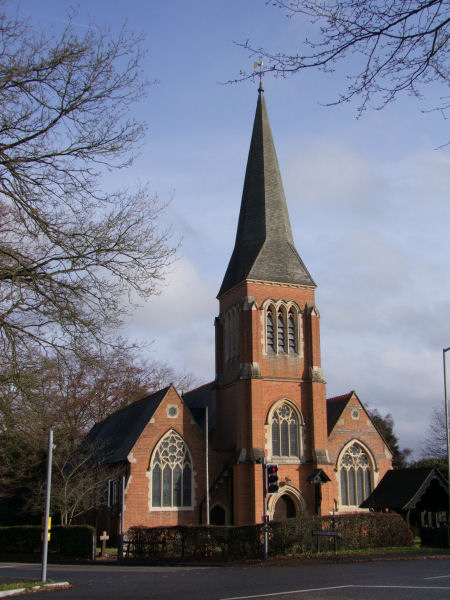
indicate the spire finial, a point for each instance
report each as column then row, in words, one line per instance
column 259, row 63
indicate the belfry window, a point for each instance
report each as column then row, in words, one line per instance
column 292, row 332
column 280, row 331
column 356, row 476
column 285, row 432
column 171, row 473
column 282, row 328
column 269, row 329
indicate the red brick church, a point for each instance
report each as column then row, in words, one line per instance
column 267, row 402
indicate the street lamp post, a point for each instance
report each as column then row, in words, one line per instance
column 448, row 440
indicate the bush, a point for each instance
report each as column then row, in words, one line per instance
column 195, row 542
column 73, row 541
column 20, row 539
column 358, row 531
column 293, row 536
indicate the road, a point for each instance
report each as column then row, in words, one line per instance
column 378, row 580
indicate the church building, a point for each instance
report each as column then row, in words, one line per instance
column 267, row 403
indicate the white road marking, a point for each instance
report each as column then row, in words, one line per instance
column 339, row 587
column 322, row 589
column 437, row 577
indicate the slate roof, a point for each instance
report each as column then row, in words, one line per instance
column 264, row 247
column 197, row 400
column 402, row 489
column 114, row 437
column 335, row 407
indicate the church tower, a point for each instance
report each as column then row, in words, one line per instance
column 270, row 393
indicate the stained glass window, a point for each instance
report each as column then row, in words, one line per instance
column 171, row 469
column 285, row 432
column 355, row 476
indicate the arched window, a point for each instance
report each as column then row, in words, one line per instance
column 269, row 329
column 292, row 337
column 171, row 473
column 355, row 475
column 282, row 327
column 280, row 331
column 285, row 432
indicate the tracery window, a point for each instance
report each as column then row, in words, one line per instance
column 171, row 473
column 356, row 475
column 282, row 328
column 285, row 431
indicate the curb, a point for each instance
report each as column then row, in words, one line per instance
column 35, row 588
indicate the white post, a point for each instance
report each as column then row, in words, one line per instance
column 47, row 507
column 207, row 464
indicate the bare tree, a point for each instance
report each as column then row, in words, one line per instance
column 69, row 394
column 401, row 45
column 435, row 443
column 72, row 252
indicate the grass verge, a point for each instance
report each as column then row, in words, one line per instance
column 28, row 585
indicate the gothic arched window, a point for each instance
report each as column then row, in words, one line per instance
column 292, row 337
column 280, row 331
column 171, row 473
column 355, row 475
column 285, row 432
column 269, row 329
column 282, row 327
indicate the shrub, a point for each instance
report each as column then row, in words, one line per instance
column 195, row 542
column 20, row 539
column 358, row 531
column 73, row 541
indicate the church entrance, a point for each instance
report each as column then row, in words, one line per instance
column 284, row 508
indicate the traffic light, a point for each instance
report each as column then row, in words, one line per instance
column 272, row 478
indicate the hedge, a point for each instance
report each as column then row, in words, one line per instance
column 358, row 531
column 286, row 537
column 73, row 541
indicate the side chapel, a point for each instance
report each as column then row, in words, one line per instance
column 267, row 402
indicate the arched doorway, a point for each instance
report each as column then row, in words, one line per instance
column 284, row 508
column 217, row 515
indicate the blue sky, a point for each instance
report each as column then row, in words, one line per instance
column 368, row 198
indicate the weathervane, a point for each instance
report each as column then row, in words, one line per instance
column 259, row 63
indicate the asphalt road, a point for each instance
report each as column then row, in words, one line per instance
column 385, row 579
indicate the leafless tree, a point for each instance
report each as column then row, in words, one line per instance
column 73, row 252
column 435, row 443
column 68, row 394
column 399, row 46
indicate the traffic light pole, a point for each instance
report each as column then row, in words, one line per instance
column 265, row 516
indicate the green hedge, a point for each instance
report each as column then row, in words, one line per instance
column 358, row 531
column 72, row 541
column 293, row 536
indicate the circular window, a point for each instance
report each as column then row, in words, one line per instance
column 355, row 414
column 172, row 411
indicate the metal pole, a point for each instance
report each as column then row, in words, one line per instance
column 448, row 440
column 266, row 525
column 122, row 521
column 47, row 507
column 207, row 464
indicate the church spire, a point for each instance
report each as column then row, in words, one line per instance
column 264, row 248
